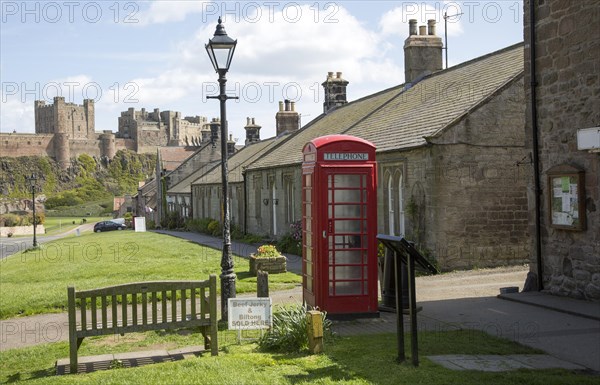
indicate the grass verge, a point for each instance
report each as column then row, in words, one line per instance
column 36, row 281
column 348, row 360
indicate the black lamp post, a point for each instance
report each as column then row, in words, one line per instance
column 32, row 179
column 220, row 50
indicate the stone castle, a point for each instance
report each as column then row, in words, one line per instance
column 66, row 130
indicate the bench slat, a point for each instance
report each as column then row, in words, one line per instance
column 134, row 309
column 94, row 316
column 144, row 309
column 203, row 309
column 173, row 305
column 83, row 315
column 141, row 287
column 114, row 311
column 104, row 317
column 193, row 303
column 183, row 307
column 124, row 310
column 164, row 306
column 154, row 308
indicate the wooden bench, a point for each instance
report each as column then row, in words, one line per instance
column 112, row 318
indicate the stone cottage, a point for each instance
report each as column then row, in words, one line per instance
column 452, row 162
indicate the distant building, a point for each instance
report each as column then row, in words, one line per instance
column 66, row 130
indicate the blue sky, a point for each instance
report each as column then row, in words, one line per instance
column 151, row 54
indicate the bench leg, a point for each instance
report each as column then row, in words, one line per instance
column 73, row 346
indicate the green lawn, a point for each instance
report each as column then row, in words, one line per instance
column 59, row 225
column 349, row 360
column 36, row 281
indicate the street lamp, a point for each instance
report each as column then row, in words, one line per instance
column 220, row 51
column 32, row 179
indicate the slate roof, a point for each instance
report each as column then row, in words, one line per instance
column 401, row 117
column 172, row 157
column 238, row 161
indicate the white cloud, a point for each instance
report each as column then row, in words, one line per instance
column 161, row 11
column 16, row 116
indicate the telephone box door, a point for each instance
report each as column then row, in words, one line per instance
column 350, row 279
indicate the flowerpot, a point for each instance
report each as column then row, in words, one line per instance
column 271, row 265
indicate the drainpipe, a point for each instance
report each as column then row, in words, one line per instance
column 535, row 145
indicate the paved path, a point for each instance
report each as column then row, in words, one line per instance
column 566, row 329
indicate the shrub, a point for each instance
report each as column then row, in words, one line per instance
column 292, row 241
column 214, row 228
column 9, row 220
column 267, row 251
column 289, row 333
column 150, row 225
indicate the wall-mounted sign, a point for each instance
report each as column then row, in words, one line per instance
column 249, row 313
column 352, row 156
column 566, row 198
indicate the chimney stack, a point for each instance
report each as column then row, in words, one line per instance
column 287, row 119
column 422, row 52
column 215, row 126
column 252, row 131
column 335, row 91
column 230, row 146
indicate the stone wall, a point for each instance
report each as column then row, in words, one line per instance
column 21, row 230
column 568, row 98
column 13, row 145
column 464, row 198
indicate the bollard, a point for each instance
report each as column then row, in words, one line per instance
column 314, row 322
column 262, row 284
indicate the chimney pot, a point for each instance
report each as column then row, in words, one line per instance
column 293, row 106
column 431, row 27
column 339, row 75
column 253, row 121
column 280, row 106
column 247, row 121
column 287, row 105
column 329, row 75
column 412, row 27
column 422, row 30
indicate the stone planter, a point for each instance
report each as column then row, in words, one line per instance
column 271, row 265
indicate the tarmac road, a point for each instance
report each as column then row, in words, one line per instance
column 10, row 246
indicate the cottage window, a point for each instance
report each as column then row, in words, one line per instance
column 290, row 199
column 390, row 193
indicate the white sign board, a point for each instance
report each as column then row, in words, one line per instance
column 140, row 224
column 249, row 313
column 588, row 138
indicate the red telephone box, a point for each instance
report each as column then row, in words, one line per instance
column 339, row 225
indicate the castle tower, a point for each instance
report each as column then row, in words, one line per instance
column 422, row 52
column 107, row 144
column 287, row 119
column 252, row 131
column 62, row 151
column 90, row 117
column 335, row 91
column 60, row 115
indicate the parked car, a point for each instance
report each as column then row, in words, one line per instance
column 108, row 226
